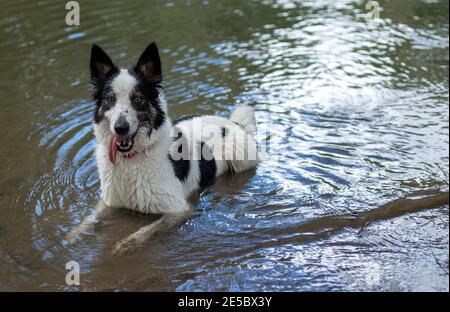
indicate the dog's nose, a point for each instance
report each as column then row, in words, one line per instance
column 121, row 126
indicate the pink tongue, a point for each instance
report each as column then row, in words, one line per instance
column 113, row 149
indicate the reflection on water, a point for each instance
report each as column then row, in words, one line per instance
column 355, row 116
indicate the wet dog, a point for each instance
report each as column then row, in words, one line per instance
column 148, row 163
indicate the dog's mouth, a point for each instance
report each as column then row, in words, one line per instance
column 122, row 144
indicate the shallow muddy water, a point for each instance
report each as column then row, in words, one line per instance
column 353, row 115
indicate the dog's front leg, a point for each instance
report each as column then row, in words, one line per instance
column 165, row 222
column 102, row 211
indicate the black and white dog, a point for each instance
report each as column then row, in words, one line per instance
column 146, row 162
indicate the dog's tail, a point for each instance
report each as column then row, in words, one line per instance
column 243, row 153
column 244, row 117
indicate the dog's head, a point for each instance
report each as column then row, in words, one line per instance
column 130, row 104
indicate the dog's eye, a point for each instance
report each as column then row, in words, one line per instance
column 110, row 100
column 138, row 100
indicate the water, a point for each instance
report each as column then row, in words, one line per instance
column 355, row 116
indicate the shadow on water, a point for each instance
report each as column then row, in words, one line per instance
column 323, row 227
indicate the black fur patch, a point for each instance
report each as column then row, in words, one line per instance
column 101, row 90
column 181, row 166
column 207, row 166
column 224, row 131
column 150, row 113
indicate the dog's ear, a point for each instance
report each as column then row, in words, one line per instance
column 101, row 64
column 149, row 64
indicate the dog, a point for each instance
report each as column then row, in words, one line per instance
column 146, row 162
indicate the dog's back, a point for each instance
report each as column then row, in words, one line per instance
column 206, row 147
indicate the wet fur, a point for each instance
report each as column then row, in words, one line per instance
column 154, row 181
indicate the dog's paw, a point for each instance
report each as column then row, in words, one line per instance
column 125, row 246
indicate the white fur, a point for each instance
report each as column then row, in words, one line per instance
column 123, row 86
column 245, row 116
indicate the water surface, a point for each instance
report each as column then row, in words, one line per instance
column 354, row 116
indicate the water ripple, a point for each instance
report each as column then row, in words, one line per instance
column 351, row 115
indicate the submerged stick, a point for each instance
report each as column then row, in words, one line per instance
column 411, row 203
column 414, row 202
column 323, row 227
